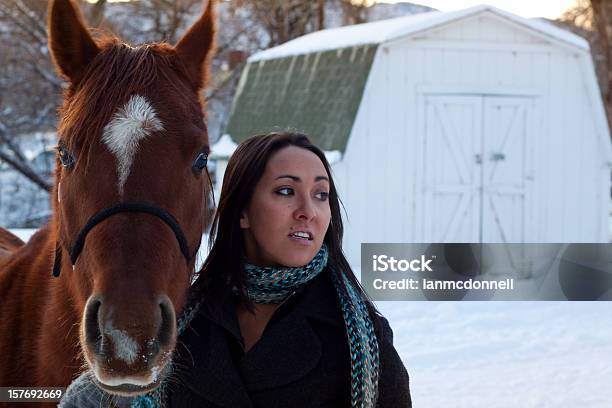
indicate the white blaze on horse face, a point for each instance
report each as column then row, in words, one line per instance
column 130, row 124
column 125, row 348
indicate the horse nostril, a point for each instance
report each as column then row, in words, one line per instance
column 152, row 348
column 166, row 329
column 93, row 336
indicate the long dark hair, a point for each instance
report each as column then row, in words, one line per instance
column 225, row 261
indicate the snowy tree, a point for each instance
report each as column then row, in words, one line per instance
column 29, row 88
column 285, row 20
column 593, row 20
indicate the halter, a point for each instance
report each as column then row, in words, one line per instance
column 160, row 213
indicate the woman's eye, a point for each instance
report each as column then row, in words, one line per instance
column 285, row 191
column 323, row 195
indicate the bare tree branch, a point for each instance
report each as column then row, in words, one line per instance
column 34, row 20
column 23, row 26
column 592, row 19
column 18, row 160
column 26, row 172
column 602, row 16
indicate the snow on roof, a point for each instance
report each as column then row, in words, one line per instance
column 385, row 30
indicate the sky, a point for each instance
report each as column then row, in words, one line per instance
column 524, row 8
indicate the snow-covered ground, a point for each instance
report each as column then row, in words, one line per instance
column 502, row 354
column 23, row 233
column 505, row 354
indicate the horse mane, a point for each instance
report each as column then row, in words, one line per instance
column 116, row 73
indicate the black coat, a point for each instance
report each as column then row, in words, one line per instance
column 301, row 360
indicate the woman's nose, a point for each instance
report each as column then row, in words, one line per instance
column 305, row 211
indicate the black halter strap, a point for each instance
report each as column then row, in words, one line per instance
column 160, row 213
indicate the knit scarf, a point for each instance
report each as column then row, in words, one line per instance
column 274, row 285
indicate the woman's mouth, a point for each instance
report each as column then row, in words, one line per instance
column 301, row 237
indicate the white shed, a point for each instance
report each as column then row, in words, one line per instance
column 467, row 126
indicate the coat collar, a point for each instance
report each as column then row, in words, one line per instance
column 316, row 300
column 288, row 350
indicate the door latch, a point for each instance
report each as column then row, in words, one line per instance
column 498, row 157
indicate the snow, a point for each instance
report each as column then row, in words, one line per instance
column 501, row 354
column 22, row 203
column 224, row 148
column 505, row 354
column 23, row 233
column 36, row 142
column 382, row 31
column 333, row 156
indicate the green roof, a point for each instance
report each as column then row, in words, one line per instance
column 317, row 94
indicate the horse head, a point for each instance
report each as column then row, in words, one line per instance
column 131, row 191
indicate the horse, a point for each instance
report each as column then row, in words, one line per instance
column 100, row 287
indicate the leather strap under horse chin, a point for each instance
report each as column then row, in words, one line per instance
column 160, row 213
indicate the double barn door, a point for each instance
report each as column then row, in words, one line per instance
column 476, row 169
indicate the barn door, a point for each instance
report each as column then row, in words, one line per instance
column 453, row 139
column 505, row 169
column 475, row 161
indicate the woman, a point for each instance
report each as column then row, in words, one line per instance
column 277, row 318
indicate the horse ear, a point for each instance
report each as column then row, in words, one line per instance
column 196, row 45
column 70, row 43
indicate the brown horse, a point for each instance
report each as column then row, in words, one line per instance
column 129, row 209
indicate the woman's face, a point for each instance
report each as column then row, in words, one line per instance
column 288, row 215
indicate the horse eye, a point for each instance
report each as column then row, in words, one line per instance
column 200, row 163
column 66, row 158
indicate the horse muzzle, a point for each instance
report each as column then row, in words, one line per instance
column 128, row 352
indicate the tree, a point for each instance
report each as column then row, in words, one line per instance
column 29, row 88
column 593, row 20
column 355, row 11
column 602, row 22
column 283, row 20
